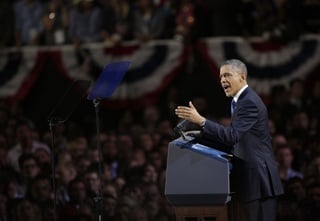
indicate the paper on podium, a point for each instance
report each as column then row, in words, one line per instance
column 109, row 79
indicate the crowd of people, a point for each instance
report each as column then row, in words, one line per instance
column 58, row 22
column 131, row 178
column 134, row 149
column 294, row 118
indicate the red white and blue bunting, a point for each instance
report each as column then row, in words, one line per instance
column 155, row 64
column 268, row 63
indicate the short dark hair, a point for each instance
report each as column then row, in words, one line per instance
column 237, row 64
column 295, row 80
column 27, row 156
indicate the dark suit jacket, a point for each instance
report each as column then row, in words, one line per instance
column 254, row 174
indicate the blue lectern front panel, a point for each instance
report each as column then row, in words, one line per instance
column 196, row 174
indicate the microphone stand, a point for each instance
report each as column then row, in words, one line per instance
column 98, row 200
column 59, row 116
column 53, row 169
column 104, row 86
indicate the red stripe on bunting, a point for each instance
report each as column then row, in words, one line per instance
column 203, row 49
column 57, row 60
column 265, row 46
column 121, row 50
column 31, row 77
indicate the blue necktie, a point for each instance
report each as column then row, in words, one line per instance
column 233, row 106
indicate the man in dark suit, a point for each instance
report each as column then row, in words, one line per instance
column 254, row 177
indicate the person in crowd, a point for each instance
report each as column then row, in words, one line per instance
column 145, row 142
column 124, row 208
column 85, row 22
column 117, row 21
column 157, row 161
column 138, row 214
column 296, row 98
column 11, row 186
column 149, row 174
column 299, row 125
column 148, row 21
column 255, row 178
column 40, row 191
column 4, row 119
column 82, row 164
column 277, row 20
column 26, row 143
column 309, row 208
column 3, row 208
column 28, row 22
column 313, row 165
column 60, row 139
column 221, row 23
column 125, row 122
column 26, row 210
column 185, row 20
column 300, row 138
column 93, row 181
column 138, row 160
column 6, row 23
column 111, row 156
column 311, row 16
column 78, row 145
column 56, row 23
column 3, row 151
column 65, row 173
column 284, row 158
column 110, row 189
column 43, row 157
column 278, row 140
column 110, row 204
column 29, row 169
column 277, row 107
column 79, row 200
column 313, row 106
column 192, row 20
column 169, row 101
column 288, row 203
column 151, row 117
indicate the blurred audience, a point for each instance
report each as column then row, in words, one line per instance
column 57, row 22
column 312, row 17
column 117, row 21
column 28, row 22
column 148, row 21
column 26, row 210
column 85, row 22
column 6, row 23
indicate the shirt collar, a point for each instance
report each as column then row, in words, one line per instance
column 236, row 97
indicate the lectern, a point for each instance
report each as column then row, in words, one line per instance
column 197, row 180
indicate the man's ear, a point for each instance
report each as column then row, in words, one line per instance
column 242, row 77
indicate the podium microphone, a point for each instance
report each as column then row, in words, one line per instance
column 181, row 127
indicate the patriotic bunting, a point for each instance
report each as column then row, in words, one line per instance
column 155, row 64
column 268, row 63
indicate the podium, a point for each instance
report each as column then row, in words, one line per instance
column 197, row 181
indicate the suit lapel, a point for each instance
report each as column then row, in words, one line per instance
column 242, row 95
